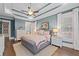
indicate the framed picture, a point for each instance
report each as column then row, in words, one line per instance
column 45, row 25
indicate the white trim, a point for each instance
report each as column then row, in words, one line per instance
column 62, row 8
column 59, row 26
column 76, row 30
column 59, row 21
column 12, row 38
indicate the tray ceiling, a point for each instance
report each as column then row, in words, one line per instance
column 15, row 9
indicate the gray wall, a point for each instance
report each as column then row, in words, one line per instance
column 19, row 24
column 51, row 19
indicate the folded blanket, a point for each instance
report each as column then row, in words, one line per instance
column 40, row 43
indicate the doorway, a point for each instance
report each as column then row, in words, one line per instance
column 6, row 28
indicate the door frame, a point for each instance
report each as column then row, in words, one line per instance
column 59, row 25
column 9, row 27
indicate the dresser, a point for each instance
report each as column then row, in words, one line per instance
column 1, row 44
column 19, row 34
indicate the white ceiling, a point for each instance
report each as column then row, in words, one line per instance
column 24, row 6
column 45, row 9
column 42, row 7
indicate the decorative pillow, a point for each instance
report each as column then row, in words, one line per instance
column 41, row 32
column 47, row 36
column 46, row 32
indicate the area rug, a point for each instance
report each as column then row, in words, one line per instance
column 20, row 50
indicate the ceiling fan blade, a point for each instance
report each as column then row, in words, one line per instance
column 24, row 11
column 27, row 14
column 36, row 11
column 34, row 14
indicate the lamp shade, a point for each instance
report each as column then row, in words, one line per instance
column 55, row 30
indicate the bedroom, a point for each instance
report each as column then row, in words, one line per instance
column 39, row 29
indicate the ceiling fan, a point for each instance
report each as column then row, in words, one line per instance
column 30, row 11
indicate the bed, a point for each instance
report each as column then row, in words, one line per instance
column 36, row 42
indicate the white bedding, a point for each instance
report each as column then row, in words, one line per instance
column 38, row 38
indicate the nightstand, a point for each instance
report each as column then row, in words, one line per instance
column 57, row 41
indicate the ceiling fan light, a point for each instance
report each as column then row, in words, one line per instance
column 30, row 12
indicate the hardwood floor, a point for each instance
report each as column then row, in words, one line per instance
column 64, row 51
column 8, row 51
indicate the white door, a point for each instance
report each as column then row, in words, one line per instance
column 67, row 29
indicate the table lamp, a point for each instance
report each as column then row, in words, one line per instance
column 55, row 31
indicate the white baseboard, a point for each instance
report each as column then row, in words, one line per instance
column 76, row 48
column 11, row 38
column 68, row 45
